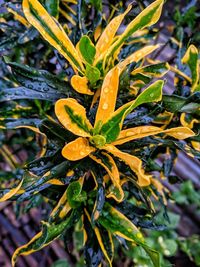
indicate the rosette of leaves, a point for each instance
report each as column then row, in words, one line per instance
column 90, row 62
column 92, row 170
column 91, row 176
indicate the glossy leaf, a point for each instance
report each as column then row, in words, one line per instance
column 77, row 149
column 115, row 222
column 80, row 84
column 112, row 127
column 191, row 58
column 108, row 34
column 73, row 117
column 133, row 162
column 154, row 70
column 146, row 18
column 92, row 73
column 87, row 49
column 143, row 131
column 16, row 93
column 75, row 195
column 39, row 80
column 9, row 193
column 110, row 166
column 51, row 31
column 49, row 233
column 108, row 96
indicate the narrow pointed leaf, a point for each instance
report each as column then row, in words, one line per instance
column 77, row 149
column 105, row 246
column 146, row 18
column 116, row 223
column 51, row 31
column 138, row 55
column 133, row 162
column 154, row 70
column 112, row 127
column 8, row 193
column 108, row 96
column 109, row 165
column 73, row 117
column 49, row 233
column 143, row 131
column 191, row 58
column 108, row 34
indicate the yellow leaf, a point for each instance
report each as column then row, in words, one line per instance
column 138, row 55
column 11, row 192
column 134, row 163
column 143, row 131
column 73, row 117
column 108, row 34
column 80, row 84
column 187, row 124
column 51, row 31
column 77, row 149
column 108, row 96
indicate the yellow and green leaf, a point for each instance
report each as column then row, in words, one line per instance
column 108, row 34
column 105, row 243
column 51, row 31
column 133, row 162
column 8, row 193
column 146, row 18
column 49, row 233
column 118, row 224
column 73, row 117
column 155, row 70
column 109, row 165
column 191, row 58
column 112, row 127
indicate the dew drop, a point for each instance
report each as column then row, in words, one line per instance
column 151, row 95
column 106, row 89
column 82, row 153
column 105, row 106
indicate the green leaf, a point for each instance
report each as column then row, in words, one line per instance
column 191, row 58
column 116, row 223
column 16, row 93
column 61, row 263
column 146, row 18
column 52, row 7
column 39, row 80
column 51, row 31
column 87, row 49
column 92, row 73
column 173, row 103
column 75, row 195
column 112, row 127
column 49, row 233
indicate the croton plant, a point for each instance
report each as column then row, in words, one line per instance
column 101, row 132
